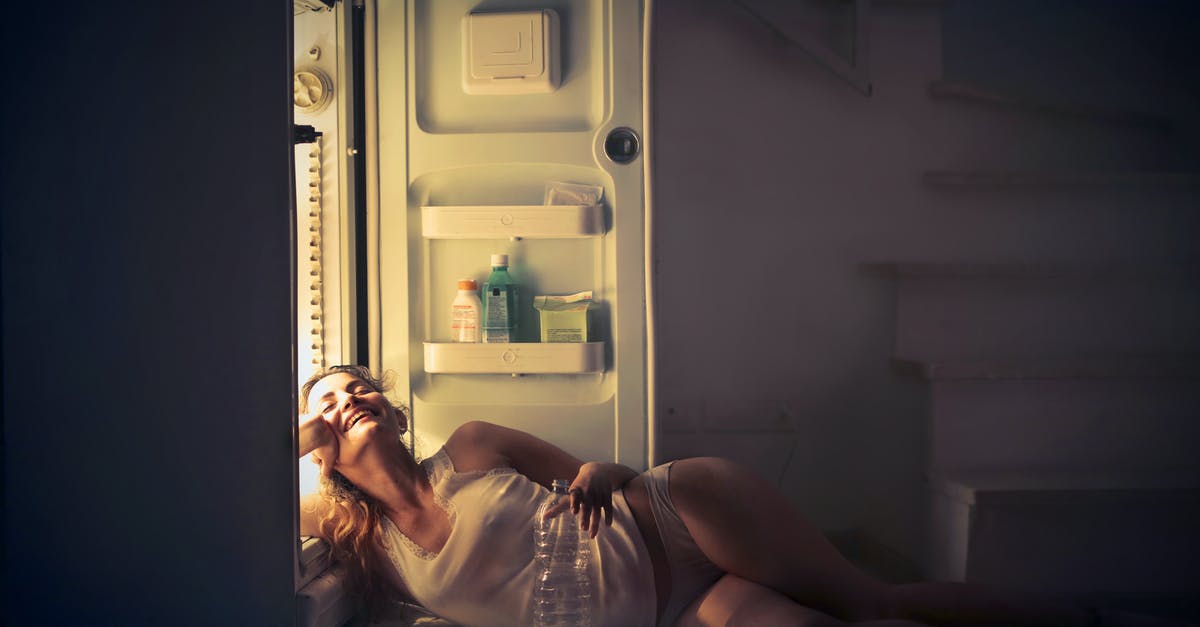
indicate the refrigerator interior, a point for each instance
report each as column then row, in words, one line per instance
column 434, row 147
column 462, row 173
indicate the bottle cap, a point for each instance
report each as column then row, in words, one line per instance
column 467, row 284
column 500, row 260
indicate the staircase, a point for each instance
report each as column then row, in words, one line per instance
column 1047, row 288
column 1064, row 433
column 1064, row 423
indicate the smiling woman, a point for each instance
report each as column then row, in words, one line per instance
column 333, row 403
column 389, row 518
column 344, row 404
column 699, row 541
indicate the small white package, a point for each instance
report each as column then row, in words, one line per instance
column 558, row 193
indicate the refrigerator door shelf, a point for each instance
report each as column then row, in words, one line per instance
column 522, row 358
column 507, row 221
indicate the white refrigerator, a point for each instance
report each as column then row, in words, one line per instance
column 443, row 123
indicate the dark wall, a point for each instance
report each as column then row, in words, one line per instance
column 775, row 181
column 148, row 463
column 1120, row 52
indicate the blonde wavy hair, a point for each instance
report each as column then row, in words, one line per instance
column 351, row 524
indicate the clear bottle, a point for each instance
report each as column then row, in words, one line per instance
column 500, row 302
column 562, row 590
column 465, row 313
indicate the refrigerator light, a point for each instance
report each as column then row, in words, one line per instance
column 510, row 53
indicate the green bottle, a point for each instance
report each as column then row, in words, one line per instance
column 500, row 313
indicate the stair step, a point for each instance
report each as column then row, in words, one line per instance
column 979, row 93
column 1068, row 533
column 1060, row 178
column 1033, row 269
column 1064, row 423
column 987, row 487
column 1162, row 366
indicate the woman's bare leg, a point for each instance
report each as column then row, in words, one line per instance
column 747, row 528
column 733, row 602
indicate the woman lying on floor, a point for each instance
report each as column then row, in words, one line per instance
column 698, row 541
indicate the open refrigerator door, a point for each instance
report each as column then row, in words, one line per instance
column 490, row 120
column 451, row 131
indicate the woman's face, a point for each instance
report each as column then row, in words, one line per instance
column 355, row 412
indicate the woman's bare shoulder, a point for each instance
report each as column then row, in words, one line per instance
column 475, row 446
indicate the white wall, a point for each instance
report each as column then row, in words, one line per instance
column 147, row 325
column 774, row 180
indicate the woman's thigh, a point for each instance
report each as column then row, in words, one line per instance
column 734, row 601
column 749, row 529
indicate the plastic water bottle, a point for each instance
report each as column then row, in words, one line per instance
column 500, row 302
column 561, row 592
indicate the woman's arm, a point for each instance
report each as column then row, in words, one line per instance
column 314, row 433
column 480, row 445
column 316, row 437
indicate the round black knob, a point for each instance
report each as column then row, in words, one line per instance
column 622, row 145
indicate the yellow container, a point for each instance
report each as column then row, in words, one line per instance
column 564, row 318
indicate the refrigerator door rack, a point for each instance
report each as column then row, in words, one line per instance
column 508, row 221
column 526, row 358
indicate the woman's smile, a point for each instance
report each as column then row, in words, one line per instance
column 355, row 418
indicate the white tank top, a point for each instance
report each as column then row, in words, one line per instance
column 484, row 574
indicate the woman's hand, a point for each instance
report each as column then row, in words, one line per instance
column 591, row 494
column 317, row 437
column 478, row 445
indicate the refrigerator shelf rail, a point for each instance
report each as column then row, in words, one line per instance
column 514, row 358
column 508, row 221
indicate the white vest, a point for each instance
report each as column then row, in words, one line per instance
column 484, row 574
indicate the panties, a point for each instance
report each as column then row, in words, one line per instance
column 691, row 571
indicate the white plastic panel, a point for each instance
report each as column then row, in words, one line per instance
column 523, row 358
column 464, row 176
column 510, row 52
column 511, row 221
column 444, row 106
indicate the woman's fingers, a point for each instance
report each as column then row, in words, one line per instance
column 591, row 500
column 588, row 512
column 556, row 509
column 595, row 522
column 326, row 468
column 326, row 452
column 582, row 506
column 592, row 507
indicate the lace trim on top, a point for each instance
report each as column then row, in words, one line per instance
column 432, row 472
column 436, row 466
